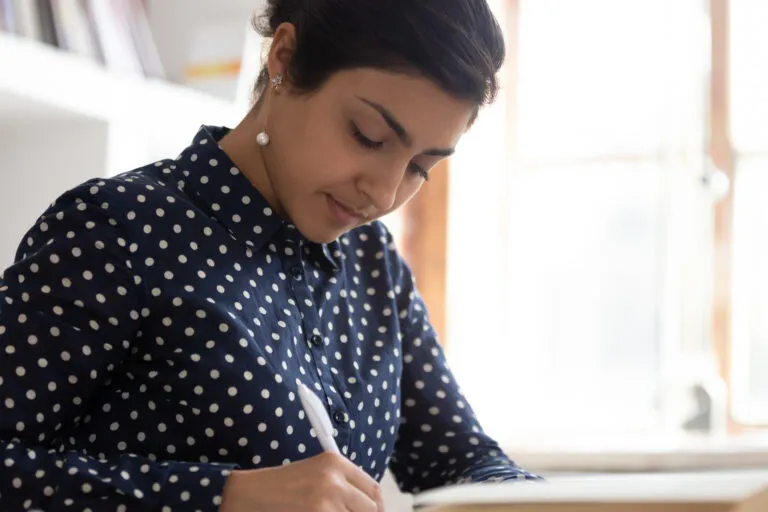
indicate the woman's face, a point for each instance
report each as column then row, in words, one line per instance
column 358, row 148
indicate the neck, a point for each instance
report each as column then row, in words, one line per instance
column 241, row 147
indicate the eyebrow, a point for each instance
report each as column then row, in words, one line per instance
column 400, row 130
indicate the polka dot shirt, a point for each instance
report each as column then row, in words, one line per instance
column 154, row 328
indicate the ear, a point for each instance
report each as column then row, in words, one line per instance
column 281, row 51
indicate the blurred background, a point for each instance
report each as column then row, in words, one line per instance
column 594, row 257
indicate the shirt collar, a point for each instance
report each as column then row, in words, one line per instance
column 210, row 177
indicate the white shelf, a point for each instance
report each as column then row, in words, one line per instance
column 41, row 83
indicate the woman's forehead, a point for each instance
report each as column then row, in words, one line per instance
column 419, row 104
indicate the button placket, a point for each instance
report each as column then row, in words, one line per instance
column 315, row 342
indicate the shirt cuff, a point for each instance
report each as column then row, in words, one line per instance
column 496, row 470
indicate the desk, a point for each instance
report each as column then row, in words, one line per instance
column 720, row 491
column 643, row 454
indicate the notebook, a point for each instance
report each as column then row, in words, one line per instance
column 667, row 492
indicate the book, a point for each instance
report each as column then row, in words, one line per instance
column 27, row 19
column 113, row 35
column 212, row 61
column 47, row 25
column 7, row 16
column 72, row 28
column 717, row 491
column 94, row 32
column 144, row 41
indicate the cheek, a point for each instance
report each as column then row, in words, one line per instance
column 307, row 162
column 319, row 156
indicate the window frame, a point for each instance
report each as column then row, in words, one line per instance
column 724, row 157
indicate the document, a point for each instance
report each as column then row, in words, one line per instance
column 706, row 491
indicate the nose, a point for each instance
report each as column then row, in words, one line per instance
column 380, row 186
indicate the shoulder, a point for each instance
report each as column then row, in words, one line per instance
column 124, row 197
column 141, row 185
column 99, row 208
column 154, row 185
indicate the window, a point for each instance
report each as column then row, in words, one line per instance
column 750, row 333
column 582, row 231
column 749, row 121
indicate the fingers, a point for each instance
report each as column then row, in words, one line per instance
column 357, row 501
column 376, row 497
column 365, row 484
column 367, row 494
column 379, row 499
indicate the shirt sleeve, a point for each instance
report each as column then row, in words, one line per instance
column 70, row 310
column 440, row 441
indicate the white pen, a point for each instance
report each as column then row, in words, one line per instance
column 318, row 418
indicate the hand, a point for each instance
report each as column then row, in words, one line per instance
column 324, row 483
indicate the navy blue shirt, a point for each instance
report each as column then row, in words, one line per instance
column 154, row 327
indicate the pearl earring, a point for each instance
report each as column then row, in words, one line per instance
column 262, row 139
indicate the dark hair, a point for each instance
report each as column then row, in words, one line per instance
column 458, row 44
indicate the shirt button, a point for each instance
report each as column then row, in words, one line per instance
column 297, row 271
column 339, row 417
column 316, row 340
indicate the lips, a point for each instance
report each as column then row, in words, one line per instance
column 352, row 211
column 344, row 214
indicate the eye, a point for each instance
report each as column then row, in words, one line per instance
column 419, row 171
column 363, row 140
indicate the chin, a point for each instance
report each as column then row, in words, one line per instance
column 324, row 238
column 317, row 225
column 314, row 231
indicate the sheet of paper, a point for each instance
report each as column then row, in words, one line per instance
column 705, row 487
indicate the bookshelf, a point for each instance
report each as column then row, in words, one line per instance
column 66, row 118
column 40, row 83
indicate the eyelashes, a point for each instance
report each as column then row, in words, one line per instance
column 419, row 171
column 365, row 141
column 371, row 144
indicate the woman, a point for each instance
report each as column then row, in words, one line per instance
column 155, row 326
